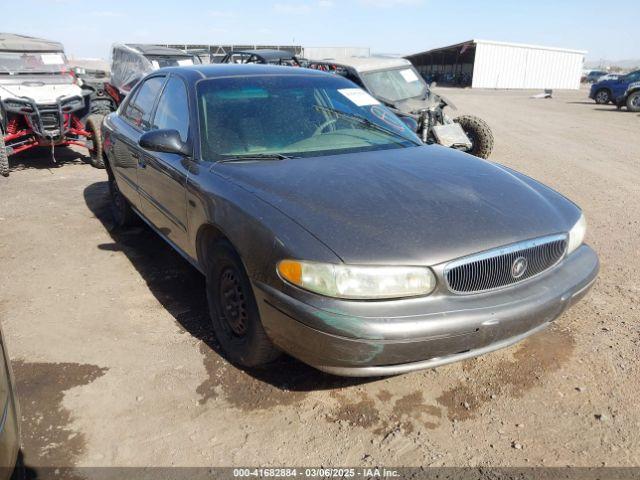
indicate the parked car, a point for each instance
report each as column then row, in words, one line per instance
column 130, row 62
column 9, row 420
column 262, row 56
column 631, row 98
column 612, row 88
column 594, row 75
column 326, row 229
column 399, row 86
column 41, row 103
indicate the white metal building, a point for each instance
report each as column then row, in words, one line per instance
column 489, row 64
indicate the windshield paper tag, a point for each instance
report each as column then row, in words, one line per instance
column 184, row 63
column 359, row 97
column 409, row 75
column 52, row 59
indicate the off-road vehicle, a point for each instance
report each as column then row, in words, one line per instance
column 264, row 56
column 130, row 62
column 41, row 103
column 397, row 84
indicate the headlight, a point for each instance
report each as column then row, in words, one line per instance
column 576, row 235
column 358, row 282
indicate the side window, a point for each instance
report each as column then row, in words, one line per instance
column 633, row 77
column 139, row 109
column 173, row 109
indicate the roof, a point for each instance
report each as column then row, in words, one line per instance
column 145, row 49
column 22, row 43
column 493, row 42
column 267, row 54
column 367, row 64
column 218, row 70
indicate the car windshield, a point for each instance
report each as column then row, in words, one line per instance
column 32, row 62
column 293, row 115
column 395, row 85
column 161, row 61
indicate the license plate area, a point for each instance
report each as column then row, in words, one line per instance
column 451, row 135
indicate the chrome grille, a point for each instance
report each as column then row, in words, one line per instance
column 496, row 268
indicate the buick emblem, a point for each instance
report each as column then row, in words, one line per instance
column 518, row 267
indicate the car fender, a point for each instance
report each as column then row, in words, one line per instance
column 248, row 223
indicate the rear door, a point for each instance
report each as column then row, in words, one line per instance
column 134, row 120
column 163, row 176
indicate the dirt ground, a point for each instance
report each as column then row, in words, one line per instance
column 115, row 364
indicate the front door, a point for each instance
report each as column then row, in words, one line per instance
column 163, row 176
column 134, row 121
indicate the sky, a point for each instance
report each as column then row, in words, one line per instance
column 87, row 29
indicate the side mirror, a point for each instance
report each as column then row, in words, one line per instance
column 165, row 141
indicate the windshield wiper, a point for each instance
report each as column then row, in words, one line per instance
column 365, row 122
column 253, row 156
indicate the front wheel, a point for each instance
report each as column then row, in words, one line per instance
column 479, row 133
column 602, row 97
column 633, row 101
column 234, row 313
column 4, row 159
column 93, row 124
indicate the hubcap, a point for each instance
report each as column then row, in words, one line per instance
column 232, row 302
column 603, row 96
column 635, row 101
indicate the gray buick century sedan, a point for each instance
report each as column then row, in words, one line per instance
column 328, row 231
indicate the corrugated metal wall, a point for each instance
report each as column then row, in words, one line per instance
column 511, row 66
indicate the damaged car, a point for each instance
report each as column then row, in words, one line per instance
column 397, row 84
column 132, row 61
column 41, row 102
column 327, row 230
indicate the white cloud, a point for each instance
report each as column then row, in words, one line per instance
column 325, row 3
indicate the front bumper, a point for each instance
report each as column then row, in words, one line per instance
column 344, row 338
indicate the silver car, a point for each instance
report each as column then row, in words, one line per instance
column 327, row 230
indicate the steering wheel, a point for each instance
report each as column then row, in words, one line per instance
column 322, row 127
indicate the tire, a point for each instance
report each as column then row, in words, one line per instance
column 602, row 96
column 233, row 310
column 123, row 214
column 633, row 101
column 479, row 133
column 4, row 159
column 92, row 125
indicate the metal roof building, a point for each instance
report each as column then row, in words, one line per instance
column 490, row 64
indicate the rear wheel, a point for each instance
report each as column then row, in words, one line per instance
column 479, row 133
column 633, row 101
column 123, row 214
column 602, row 96
column 93, row 124
column 234, row 313
column 4, row 159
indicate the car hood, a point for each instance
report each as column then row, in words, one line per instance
column 420, row 205
column 39, row 91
